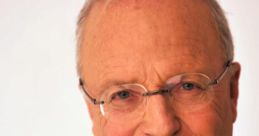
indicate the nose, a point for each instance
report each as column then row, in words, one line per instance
column 160, row 119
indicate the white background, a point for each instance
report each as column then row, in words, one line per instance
column 39, row 95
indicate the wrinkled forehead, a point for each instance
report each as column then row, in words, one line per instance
column 127, row 30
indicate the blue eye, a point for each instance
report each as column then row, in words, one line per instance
column 188, row 86
column 123, row 94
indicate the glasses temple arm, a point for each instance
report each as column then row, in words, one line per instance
column 93, row 100
column 220, row 77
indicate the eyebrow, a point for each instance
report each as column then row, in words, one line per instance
column 113, row 82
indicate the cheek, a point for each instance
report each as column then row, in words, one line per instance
column 126, row 128
column 210, row 120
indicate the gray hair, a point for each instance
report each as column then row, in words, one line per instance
column 217, row 12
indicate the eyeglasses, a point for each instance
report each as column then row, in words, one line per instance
column 188, row 92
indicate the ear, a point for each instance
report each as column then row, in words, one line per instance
column 93, row 110
column 234, row 89
column 96, row 117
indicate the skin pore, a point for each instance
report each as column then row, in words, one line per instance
column 147, row 42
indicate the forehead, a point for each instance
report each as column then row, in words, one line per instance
column 125, row 36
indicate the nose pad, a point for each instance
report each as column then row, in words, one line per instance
column 160, row 117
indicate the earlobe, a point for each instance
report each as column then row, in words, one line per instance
column 234, row 88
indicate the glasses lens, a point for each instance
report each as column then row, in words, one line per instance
column 124, row 101
column 190, row 91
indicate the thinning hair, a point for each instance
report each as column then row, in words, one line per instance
column 217, row 12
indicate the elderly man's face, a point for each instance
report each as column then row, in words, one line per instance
column 148, row 42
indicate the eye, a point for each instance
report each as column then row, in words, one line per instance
column 188, row 86
column 125, row 99
column 122, row 95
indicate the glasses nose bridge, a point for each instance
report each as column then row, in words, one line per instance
column 155, row 92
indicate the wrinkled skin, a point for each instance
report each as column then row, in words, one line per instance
column 147, row 42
